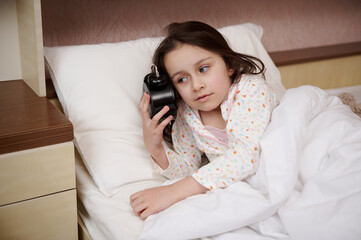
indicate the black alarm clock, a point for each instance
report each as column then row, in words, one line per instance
column 161, row 94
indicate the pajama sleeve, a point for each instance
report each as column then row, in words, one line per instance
column 186, row 157
column 247, row 120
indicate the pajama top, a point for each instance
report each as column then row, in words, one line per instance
column 247, row 112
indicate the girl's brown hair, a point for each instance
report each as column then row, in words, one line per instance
column 204, row 36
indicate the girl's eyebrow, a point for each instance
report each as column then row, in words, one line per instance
column 197, row 63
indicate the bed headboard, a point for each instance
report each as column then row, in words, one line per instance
column 295, row 31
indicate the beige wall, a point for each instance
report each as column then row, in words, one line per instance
column 288, row 24
column 21, row 43
column 10, row 67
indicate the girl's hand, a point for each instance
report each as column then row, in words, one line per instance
column 154, row 200
column 153, row 130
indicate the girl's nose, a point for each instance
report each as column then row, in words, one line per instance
column 197, row 84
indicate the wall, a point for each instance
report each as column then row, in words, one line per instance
column 21, row 43
column 10, row 66
column 288, row 24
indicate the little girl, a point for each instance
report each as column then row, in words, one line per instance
column 224, row 106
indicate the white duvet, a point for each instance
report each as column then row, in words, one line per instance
column 308, row 185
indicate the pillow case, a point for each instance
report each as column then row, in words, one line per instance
column 100, row 86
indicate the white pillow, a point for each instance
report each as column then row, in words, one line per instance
column 100, row 87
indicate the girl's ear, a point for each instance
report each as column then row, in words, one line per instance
column 230, row 71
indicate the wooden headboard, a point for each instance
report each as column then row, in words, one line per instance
column 312, row 42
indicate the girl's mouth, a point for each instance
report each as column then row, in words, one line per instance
column 203, row 98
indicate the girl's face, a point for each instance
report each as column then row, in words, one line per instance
column 201, row 77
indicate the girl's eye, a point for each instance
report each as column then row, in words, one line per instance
column 203, row 69
column 182, row 80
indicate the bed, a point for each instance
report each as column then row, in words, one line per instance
column 308, row 185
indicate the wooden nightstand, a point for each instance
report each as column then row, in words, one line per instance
column 37, row 169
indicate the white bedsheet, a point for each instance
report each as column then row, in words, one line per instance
column 308, row 185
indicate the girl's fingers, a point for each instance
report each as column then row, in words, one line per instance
column 138, row 209
column 144, row 105
column 160, row 114
column 136, row 202
column 145, row 213
column 154, row 122
column 165, row 122
column 133, row 198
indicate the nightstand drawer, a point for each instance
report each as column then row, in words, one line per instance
column 50, row 217
column 36, row 172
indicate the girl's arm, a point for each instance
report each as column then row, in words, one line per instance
column 154, row 200
column 185, row 157
column 183, row 162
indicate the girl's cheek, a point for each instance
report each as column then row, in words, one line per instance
column 181, row 91
column 184, row 94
